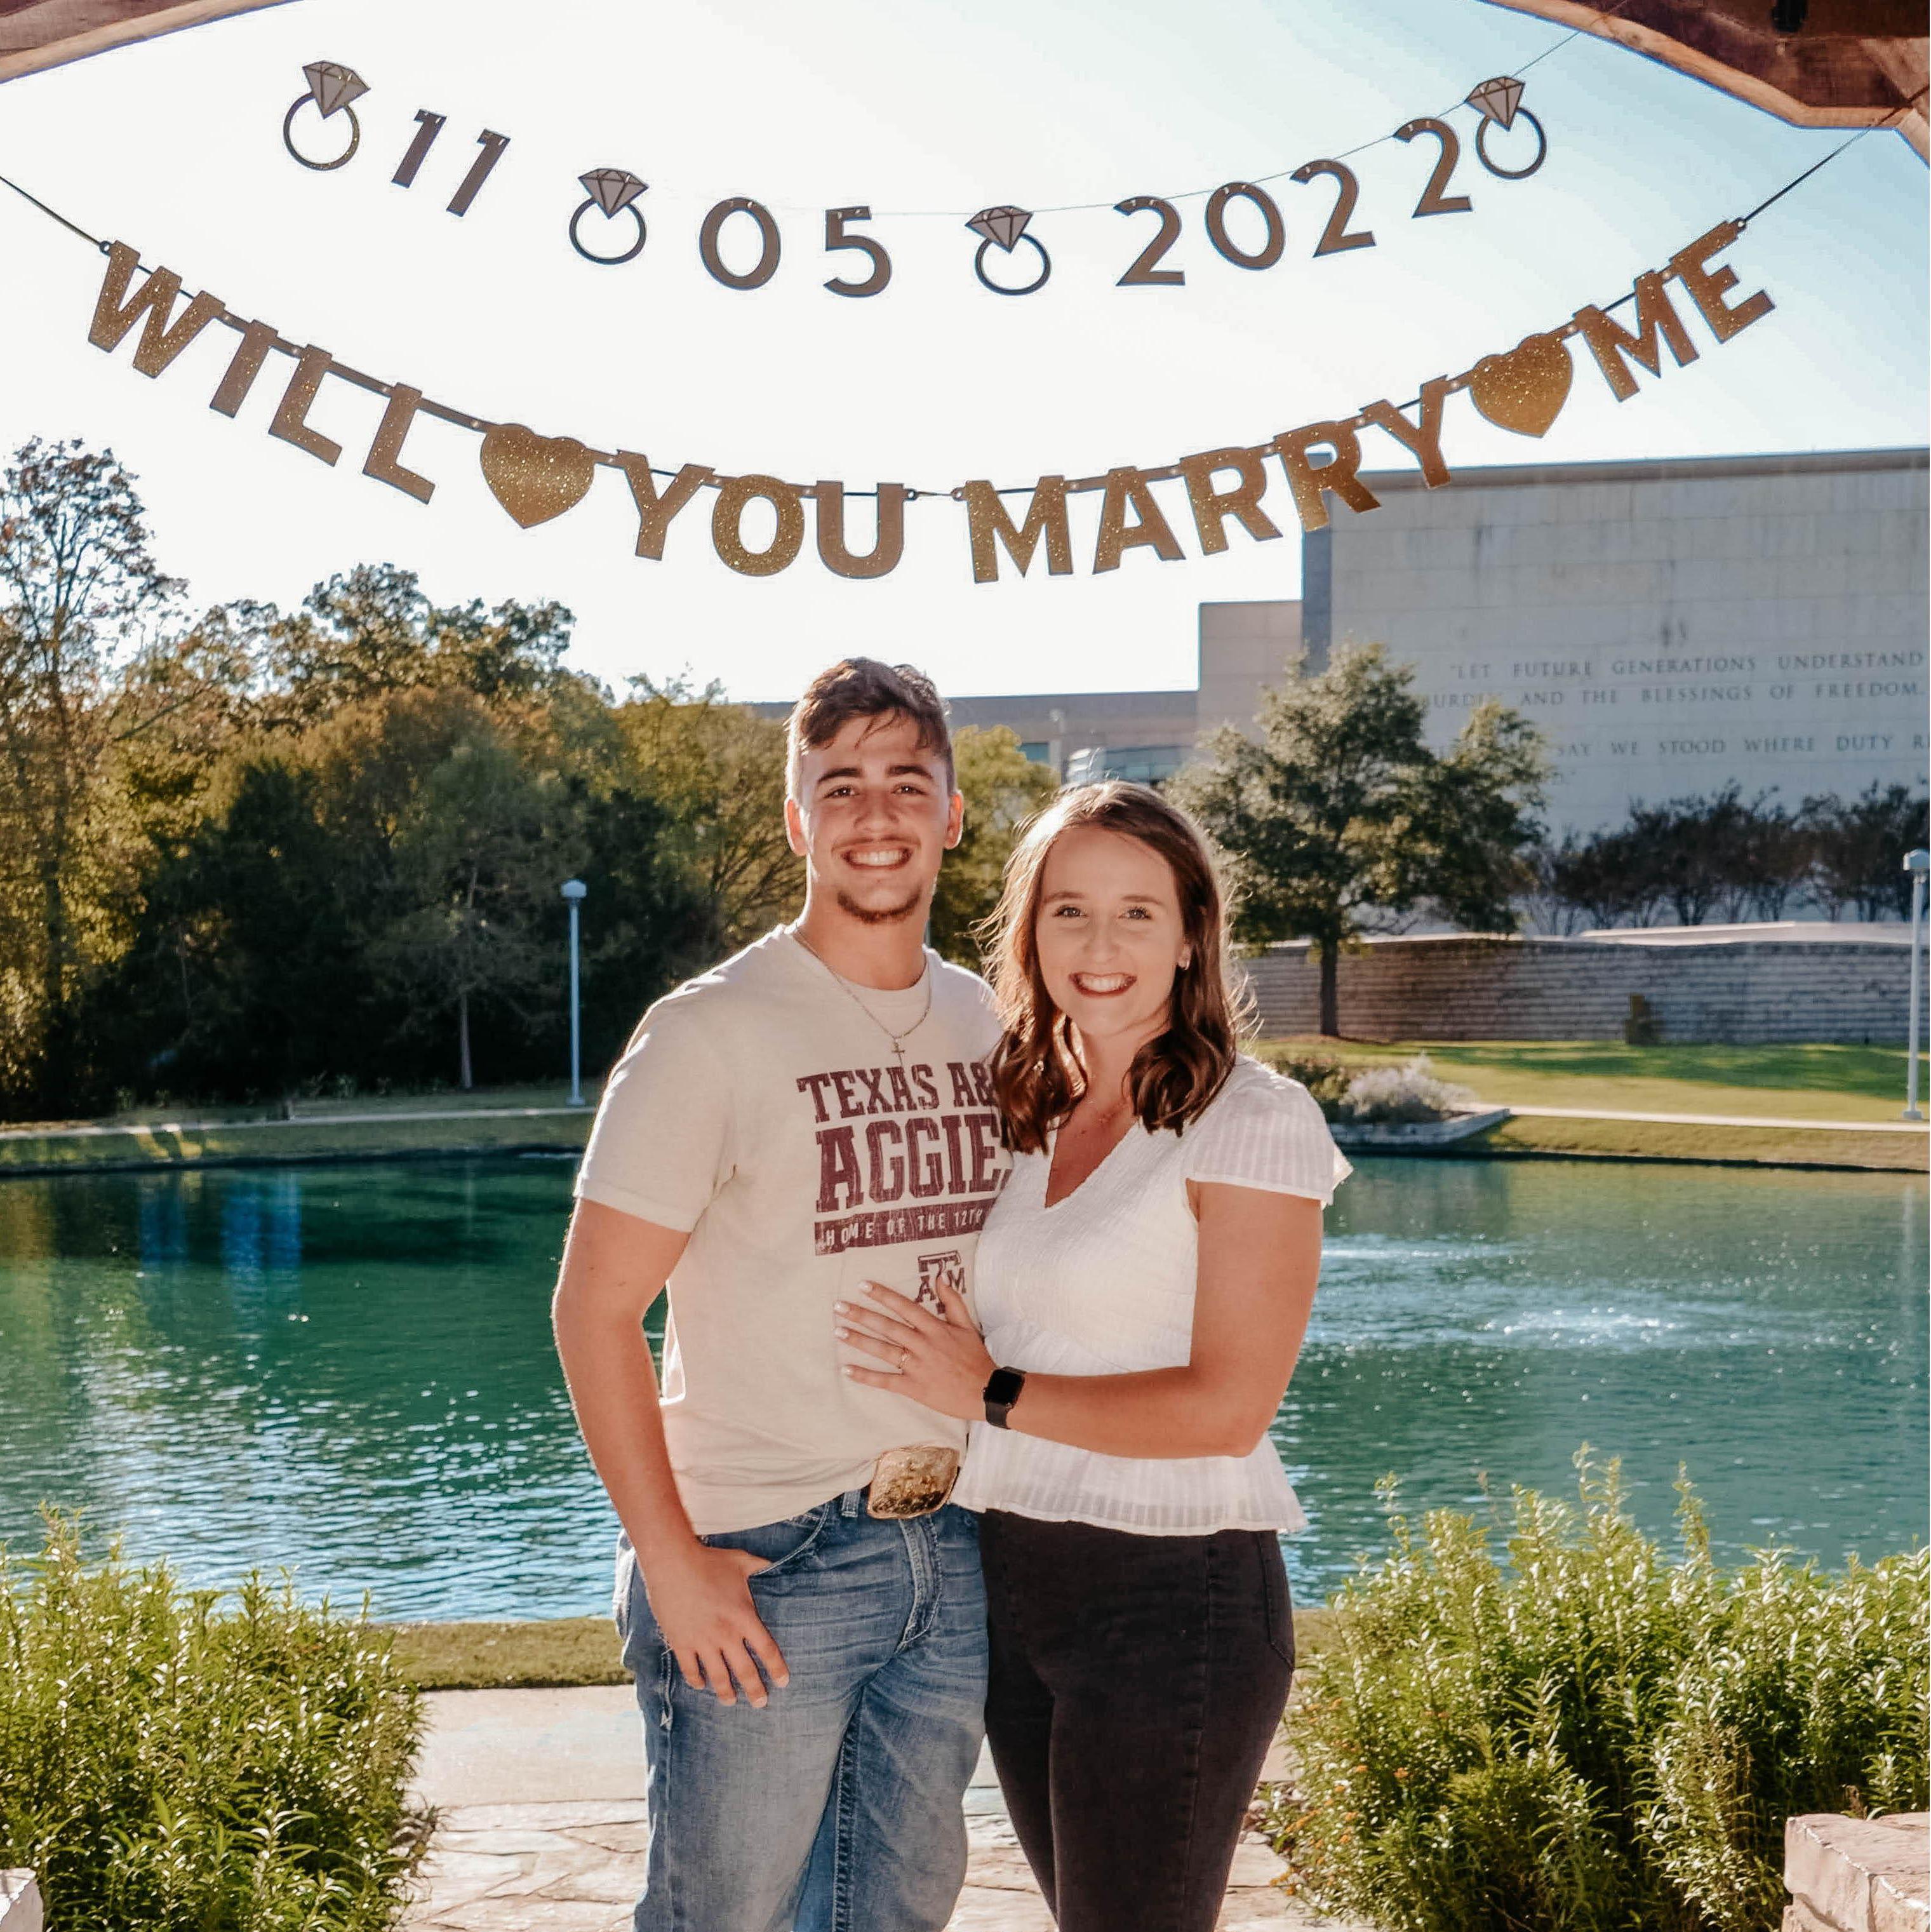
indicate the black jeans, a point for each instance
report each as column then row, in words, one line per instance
column 1136, row 1684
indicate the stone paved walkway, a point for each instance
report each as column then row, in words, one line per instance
column 557, row 1863
column 578, row 1868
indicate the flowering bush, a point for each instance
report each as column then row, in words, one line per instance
column 1387, row 1095
column 1588, row 1736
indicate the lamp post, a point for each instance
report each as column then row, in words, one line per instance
column 1916, row 862
column 575, row 891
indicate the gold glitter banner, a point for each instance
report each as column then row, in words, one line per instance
column 536, row 478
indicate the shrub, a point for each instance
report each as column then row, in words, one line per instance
column 165, row 1768
column 1592, row 1736
column 1393, row 1094
column 1326, row 1078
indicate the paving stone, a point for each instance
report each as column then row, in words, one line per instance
column 615, row 1882
column 980, row 1910
column 565, row 1875
column 614, row 1838
column 447, row 1880
column 529, row 1915
column 556, row 1815
column 507, row 1839
column 513, row 1746
column 1255, row 1862
column 990, row 1828
column 1000, row 1871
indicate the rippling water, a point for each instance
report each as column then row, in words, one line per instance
column 348, row 1370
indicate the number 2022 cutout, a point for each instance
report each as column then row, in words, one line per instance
column 1336, row 237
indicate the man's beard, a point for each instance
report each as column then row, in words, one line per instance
column 878, row 915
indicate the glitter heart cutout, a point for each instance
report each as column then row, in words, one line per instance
column 535, row 478
column 1524, row 389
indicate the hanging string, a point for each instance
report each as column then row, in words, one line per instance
column 1195, row 193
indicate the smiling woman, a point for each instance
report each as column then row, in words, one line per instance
column 1144, row 1282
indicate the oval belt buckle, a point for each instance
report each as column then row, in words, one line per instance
column 911, row 1482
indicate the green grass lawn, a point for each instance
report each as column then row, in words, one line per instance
column 1819, row 1083
column 1649, row 1140
column 430, row 1100
column 159, row 1146
column 572, row 1650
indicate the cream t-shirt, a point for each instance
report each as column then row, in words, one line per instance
column 761, row 1107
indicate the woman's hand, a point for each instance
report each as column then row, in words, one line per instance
column 939, row 1361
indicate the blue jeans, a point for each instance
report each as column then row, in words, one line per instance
column 839, row 1807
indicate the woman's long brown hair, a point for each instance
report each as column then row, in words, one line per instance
column 1036, row 1070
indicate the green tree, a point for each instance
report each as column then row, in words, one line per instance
column 643, row 925
column 1857, row 849
column 80, row 593
column 373, row 629
column 247, row 974
column 717, row 770
column 478, row 860
column 1340, row 808
column 198, row 693
column 1003, row 788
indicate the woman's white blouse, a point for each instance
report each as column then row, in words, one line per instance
column 1102, row 1283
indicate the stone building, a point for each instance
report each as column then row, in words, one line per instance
column 1670, row 626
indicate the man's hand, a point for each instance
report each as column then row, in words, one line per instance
column 938, row 1360
column 701, row 1599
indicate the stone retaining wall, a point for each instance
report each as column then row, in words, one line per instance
column 1856, row 1874
column 1456, row 987
column 19, row 1903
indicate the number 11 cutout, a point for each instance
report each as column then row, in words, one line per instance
column 429, row 126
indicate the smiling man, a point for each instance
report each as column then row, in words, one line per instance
column 801, row 1606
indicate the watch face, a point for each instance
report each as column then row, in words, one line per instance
column 1002, row 1390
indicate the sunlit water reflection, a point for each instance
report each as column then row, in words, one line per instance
column 348, row 1370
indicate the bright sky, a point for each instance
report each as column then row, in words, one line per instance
column 174, row 146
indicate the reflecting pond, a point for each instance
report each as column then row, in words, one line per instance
column 348, row 1370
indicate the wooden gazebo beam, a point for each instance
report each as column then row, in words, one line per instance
column 39, row 33
column 1851, row 64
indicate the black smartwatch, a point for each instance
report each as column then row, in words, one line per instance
column 1002, row 1391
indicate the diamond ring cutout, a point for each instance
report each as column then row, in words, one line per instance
column 1005, row 225
column 1498, row 100
column 612, row 189
column 333, row 86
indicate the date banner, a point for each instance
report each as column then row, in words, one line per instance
column 1243, row 221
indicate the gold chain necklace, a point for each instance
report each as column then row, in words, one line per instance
column 844, row 986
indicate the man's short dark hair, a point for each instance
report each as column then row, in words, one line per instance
column 865, row 688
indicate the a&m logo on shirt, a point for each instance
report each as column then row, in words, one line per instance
column 938, row 1271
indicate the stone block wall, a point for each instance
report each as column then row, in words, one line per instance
column 1456, row 987
column 19, row 1903
column 1858, row 1874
